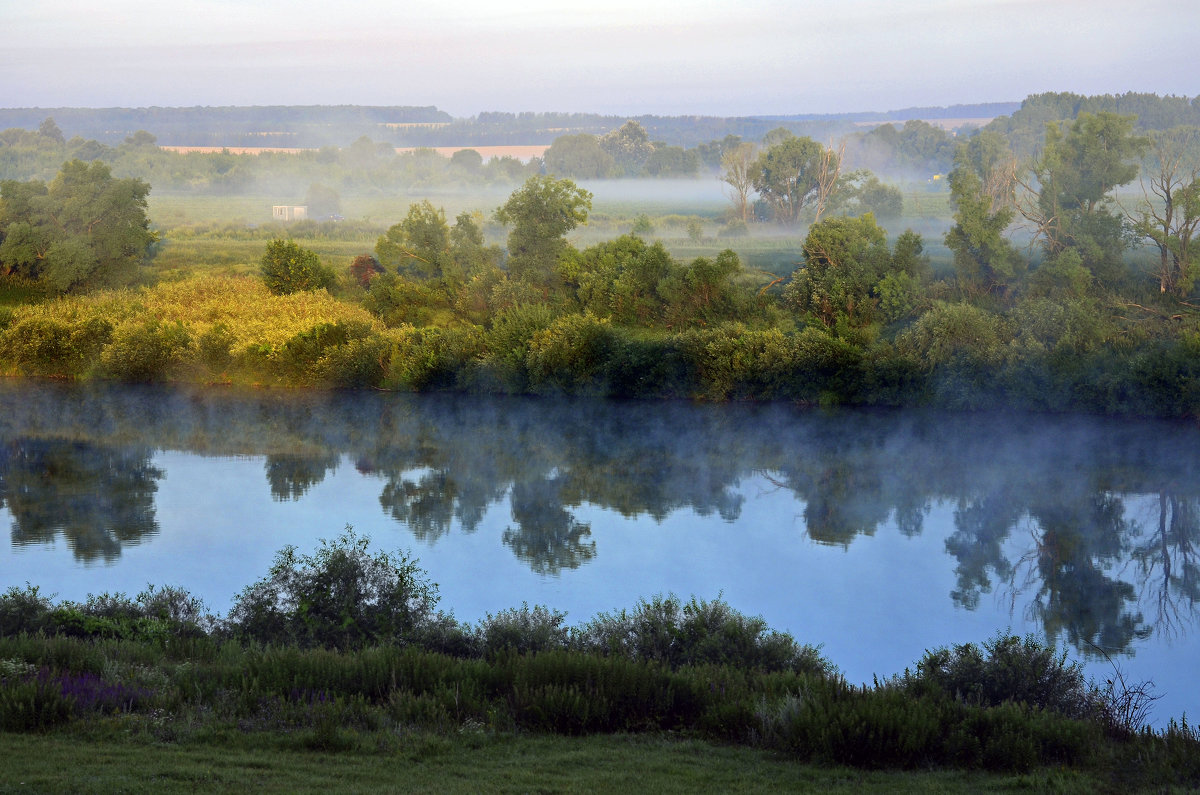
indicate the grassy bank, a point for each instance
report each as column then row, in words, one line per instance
column 344, row 653
column 470, row 762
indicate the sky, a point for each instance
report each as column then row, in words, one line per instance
column 624, row 57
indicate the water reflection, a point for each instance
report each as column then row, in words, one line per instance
column 1089, row 527
column 97, row 497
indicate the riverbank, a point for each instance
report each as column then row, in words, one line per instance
column 344, row 652
column 232, row 331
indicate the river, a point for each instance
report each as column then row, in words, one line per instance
column 877, row 535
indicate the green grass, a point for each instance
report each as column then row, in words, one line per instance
column 465, row 762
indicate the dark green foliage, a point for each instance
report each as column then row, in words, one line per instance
column 24, row 610
column 85, row 229
column 667, row 630
column 419, row 245
column 154, row 615
column 540, row 212
column 397, row 300
column 287, row 268
column 32, row 703
column 522, row 630
column 341, row 596
column 430, row 358
column 1009, row 669
column 787, row 175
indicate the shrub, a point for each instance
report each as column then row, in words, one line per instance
column 666, row 630
column 430, row 358
column 288, row 268
column 523, row 630
column 341, row 596
column 32, row 703
column 48, row 346
column 145, row 351
column 1008, row 669
column 215, row 347
column 571, row 354
column 23, row 610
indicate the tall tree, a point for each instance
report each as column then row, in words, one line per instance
column 1169, row 214
column 629, row 146
column 984, row 259
column 540, row 213
column 83, row 229
column 787, row 176
column 845, row 260
column 737, row 171
column 419, row 245
column 1068, row 198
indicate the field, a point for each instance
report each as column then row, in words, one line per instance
column 524, row 153
column 227, row 234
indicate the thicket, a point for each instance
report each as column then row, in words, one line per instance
column 345, row 646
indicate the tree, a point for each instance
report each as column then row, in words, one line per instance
column 788, row 176
column 845, row 259
column 578, row 156
column 1170, row 211
column 540, row 212
column 419, row 245
column 288, row 268
column 364, row 268
column 467, row 247
column 620, row 279
column 141, row 138
column 703, row 292
column 984, row 259
column 629, row 146
column 671, row 161
column 737, row 166
column 469, row 160
column 84, row 229
column 48, row 129
column 1068, row 199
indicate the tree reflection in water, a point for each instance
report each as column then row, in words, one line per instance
column 98, row 498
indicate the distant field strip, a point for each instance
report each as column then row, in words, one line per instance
column 520, row 152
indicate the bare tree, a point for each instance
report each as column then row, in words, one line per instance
column 827, row 177
column 738, row 174
column 1169, row 213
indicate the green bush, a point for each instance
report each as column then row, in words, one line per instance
column 32, row 703
column 522, row 630
column 667, row 630
column 570, row 355
column 1008, row 669
column 24, row 610
column 44, row 346
column 288, row 268
column 429, row 358
column 146, row 351
column 341, row 596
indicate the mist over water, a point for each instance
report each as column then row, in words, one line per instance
column 876, row 534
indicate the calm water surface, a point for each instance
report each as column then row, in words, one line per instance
column 875, row 534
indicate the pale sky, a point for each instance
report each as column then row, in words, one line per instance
column 623, row 57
